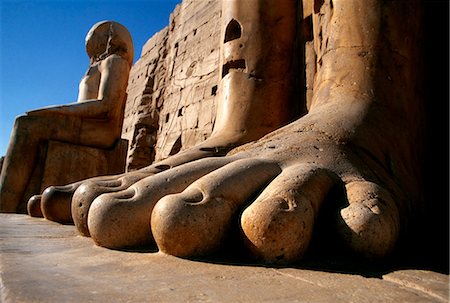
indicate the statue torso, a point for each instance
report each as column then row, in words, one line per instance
column 89, row 85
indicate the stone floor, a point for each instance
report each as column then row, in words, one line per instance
column 41, row 261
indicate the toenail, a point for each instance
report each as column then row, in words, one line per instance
column 209, row 149
column 162, row 167
column 126, row 195
column 218, row 150
column 195, row 198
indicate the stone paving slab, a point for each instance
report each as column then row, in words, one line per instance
column 42, row 261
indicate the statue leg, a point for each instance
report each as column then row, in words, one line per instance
column 358, row 136
column 18, row 164
column 22, row 153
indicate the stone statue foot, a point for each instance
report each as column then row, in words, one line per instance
column 90, row 189
column 71, row 203
column 121, row 219
column 273, row 187
column 87, row 191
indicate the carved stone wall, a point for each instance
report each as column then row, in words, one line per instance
column 173, row 86
column 145, row 97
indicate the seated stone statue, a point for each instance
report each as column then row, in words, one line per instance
column 95, row 120
column 353, row 152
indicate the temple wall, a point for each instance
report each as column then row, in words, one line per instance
column 172, row 89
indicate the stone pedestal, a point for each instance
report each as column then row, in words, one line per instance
column 67, row 163
column 62, row 163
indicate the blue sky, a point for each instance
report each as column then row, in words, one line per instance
column 42, row 54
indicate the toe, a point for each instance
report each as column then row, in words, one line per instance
column 111, row 218
column 34, row 206
column 196, row 221
column 91, row 189
column 187, row 225
column 56, row 201
column 81, row 202
column 370, row 223
column 122, row 219
column 278, row 226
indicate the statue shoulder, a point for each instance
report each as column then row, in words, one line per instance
column 114, row 58
column 114, row 61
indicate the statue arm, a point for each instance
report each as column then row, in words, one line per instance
column 112, row 89
column 88, row 109
column 114, row 80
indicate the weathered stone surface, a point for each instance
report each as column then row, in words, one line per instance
column 145, row 94
column 193, row 72
column 172, row 90
column 66, row 163
column 42, row 261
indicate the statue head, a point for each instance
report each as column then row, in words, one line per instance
column 108, row 37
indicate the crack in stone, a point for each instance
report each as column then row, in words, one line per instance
column 277, row 271
column 412, row 286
